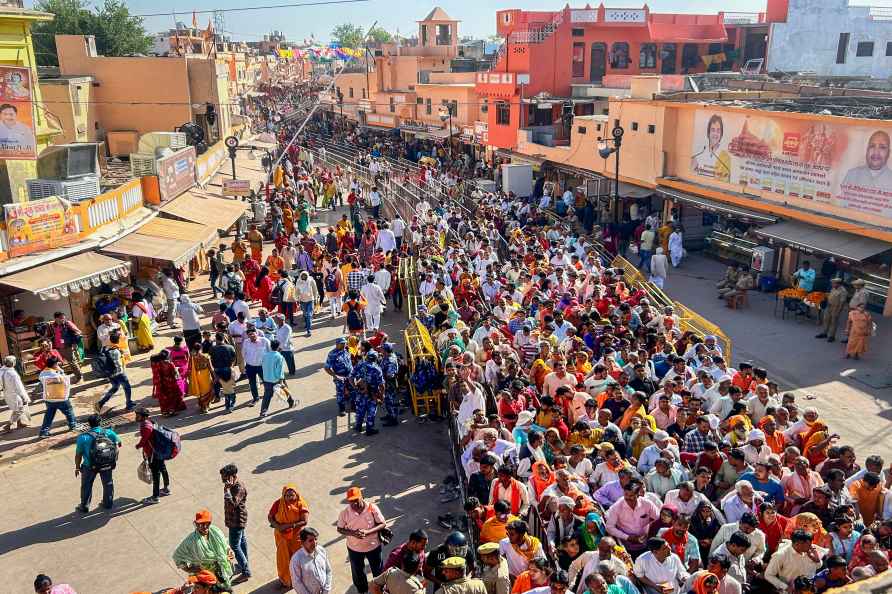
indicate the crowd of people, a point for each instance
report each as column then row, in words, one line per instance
column 604, row 450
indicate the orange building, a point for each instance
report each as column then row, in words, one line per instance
column 756, row 176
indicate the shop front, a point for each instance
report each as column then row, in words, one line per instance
column 81, row 287
column 211, row 211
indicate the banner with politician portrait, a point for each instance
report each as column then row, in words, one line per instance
column 813, row 163
column 17, row 138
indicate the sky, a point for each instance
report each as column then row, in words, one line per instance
column 477, row 16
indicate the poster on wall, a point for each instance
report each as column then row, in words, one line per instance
column 39, row 225
column 17, row 139
column 176, row 173
column 806, row 162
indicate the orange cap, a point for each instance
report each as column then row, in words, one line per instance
column 203, row 577
column 354, row 493
column 203, row 517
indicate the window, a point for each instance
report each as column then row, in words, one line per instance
column 423, row 34
column 619, row 55
column 363, row 93
column 648, row 55
column 616, row 123
column 451, row 106
column 350, row 92
column 578, row 60
column 598, row 127
column 842, row 47
column 419, row 101
column 444, row 35
column 889, row 48
column 503, row 113
column 651, row 129
column 634, row 126
column 580, row 129
column 484, row 107
column 578, row 33
column 690, row 56
column 427, row 106
column 864, row 49
column 667, row 58
column 392, row 105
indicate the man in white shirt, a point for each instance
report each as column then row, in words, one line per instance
column 383, row 278
column 253, row 349
column 283, row 335
column 798, row 557
column 307, row 294
column 398, row 225
column 172, row 295
column 375, row 202
column 375, row 301
column 659, row 569
column 386, row 239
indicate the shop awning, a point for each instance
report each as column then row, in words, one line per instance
column 68, row 275
column 219, row 213
column 165, row 239
column 434, row 134
column 812, row 238
column 633, row 191
column 710, row 205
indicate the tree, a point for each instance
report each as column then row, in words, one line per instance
column 348, row 35
column 117, row 32
column 379, row 35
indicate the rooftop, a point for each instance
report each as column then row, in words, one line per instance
column 437, row 14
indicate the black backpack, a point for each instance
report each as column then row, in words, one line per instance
column 103, row 452
column 278, row 292
column 354, row 319
column 103, row 363
column 331, row 282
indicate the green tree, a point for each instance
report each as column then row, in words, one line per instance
column 117, row 31
column 348, row 35
column 379, row 35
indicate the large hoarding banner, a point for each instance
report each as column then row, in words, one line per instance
column 17, row 138
column 176, row 173
column 39, row 225
column 806, row 162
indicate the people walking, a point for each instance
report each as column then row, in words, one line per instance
column 361, row 522
column 15, row 394
column 96, row 454
column 283, row 336
column 273, row 367
column 375, row 302
column 235, row 507
column 223, row 359
column 157, row 462
column 56, row 395
column 367, row 382
column 171, row 295
column 339, row 365
column 117, row 373
column 859, row 330
column 659, row 268
column 253, row 349
column 307, row 294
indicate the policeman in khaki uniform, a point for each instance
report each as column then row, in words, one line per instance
column 494, row 572
column 456, row 581
column 400, row 580
column 836, row 305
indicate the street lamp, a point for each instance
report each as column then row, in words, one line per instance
column 446, row 114
column 604, row 150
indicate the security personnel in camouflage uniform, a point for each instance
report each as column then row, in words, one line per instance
column 339, row 366
column 390, row 366
column 456, row 580
column 367, row 389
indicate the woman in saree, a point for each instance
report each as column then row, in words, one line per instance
column 250, row 268
column 288, row 219
column 303, row 216
column 179, row 356
column 773, row 525
column 704, row 526
column 638, row 409
column 201, row 377
column 263, row 288
column 541, row 478
column 144, row 315
column 287, row 516
column 205, row 549
column 810, row 523
column 165, row 385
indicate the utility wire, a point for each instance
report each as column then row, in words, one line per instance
column 185, row 11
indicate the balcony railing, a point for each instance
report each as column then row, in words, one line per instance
column 108, row 207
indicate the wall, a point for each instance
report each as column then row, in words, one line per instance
column 73, row 108
column 356, row 81
column 808, row 40
column 397, row 73
column 468, row 110
column 143, row 94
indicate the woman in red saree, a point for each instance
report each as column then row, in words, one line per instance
column 250, row 268
column 165, row 385
column 263, row 287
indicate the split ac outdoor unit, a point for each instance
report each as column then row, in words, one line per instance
column 74, row 190
column 142, row 165
column 150, row 143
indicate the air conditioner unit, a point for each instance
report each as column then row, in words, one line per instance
column 142, row 165
column 74, row 190
column 149, row 143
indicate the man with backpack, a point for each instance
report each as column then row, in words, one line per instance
column 158, row 444
column 230, row 281
column 96, row 453
column 110, row 364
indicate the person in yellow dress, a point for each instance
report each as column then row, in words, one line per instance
column 239, row 250
column 201, row 377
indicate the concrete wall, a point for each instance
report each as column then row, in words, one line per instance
column 143, row 94
column 70, row 102
column 468, row 110
column 808, row 40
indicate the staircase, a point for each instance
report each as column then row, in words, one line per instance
column 537, row 35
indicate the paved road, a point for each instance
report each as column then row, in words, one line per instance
column 854, row 396
column 129, row 548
